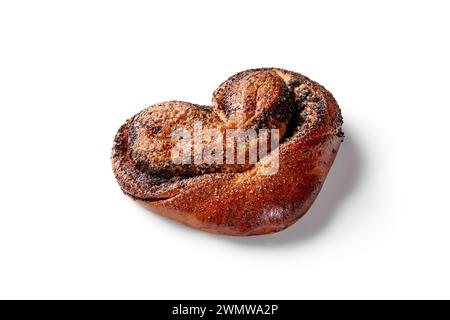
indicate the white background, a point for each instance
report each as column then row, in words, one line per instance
column 71, row 72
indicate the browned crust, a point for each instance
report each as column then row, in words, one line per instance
column 246, row 203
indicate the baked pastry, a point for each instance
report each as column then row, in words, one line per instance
column 298, row 122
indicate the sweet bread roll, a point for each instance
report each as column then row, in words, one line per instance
column 215, row 179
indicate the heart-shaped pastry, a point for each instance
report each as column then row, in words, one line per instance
column 252, row 163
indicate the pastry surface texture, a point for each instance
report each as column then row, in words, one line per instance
column 294, row 119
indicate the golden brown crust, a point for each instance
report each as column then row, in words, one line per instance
column 227, row 199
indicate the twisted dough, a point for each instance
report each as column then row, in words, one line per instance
column 234, row 199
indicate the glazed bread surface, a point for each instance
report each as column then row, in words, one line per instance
column 234, row 198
